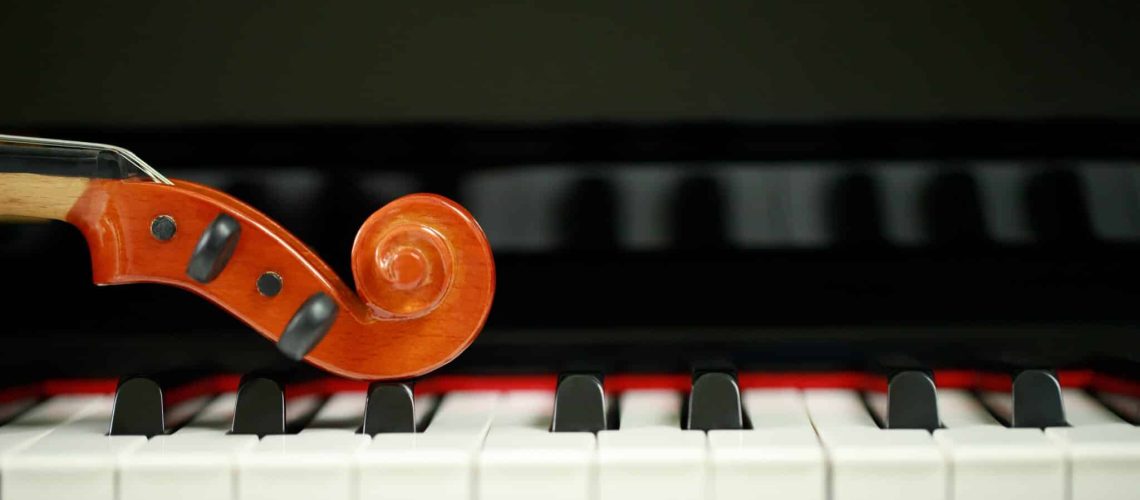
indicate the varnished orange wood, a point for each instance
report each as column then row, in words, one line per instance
column 422, row 261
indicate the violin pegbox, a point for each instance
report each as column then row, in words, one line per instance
column 424, row 271
column 423, row 268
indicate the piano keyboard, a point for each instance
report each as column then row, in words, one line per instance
column 805, row 437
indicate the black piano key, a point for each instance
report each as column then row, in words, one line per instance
column 579, row 404
column 390, row 408
column 855, row 211
column 714, row 402
column 912, row 401
column 138, row 408
column 697, row 215
column 1037, row 400
column 1057, row 208
column 589, row 216
column 260, row 407
column 952, row 209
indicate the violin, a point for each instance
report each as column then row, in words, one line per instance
column 424, row 273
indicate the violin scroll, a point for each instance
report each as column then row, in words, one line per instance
column 424, row 272
column 402, row 263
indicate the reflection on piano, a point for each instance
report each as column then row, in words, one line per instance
column 702, row 311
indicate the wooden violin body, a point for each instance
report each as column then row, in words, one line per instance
column 423, row 268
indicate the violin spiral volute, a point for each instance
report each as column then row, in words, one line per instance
column 403, row 259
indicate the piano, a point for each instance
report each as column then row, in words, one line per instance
column 719, row 320
column 777, row 254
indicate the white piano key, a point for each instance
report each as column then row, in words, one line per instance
column 776, row 408
column 215, row 418
column 959, row 408
column 1104, row 460
column 1123, row 404
column 642, row 409
column 76, row 460
column 437, row 463
column 424, row 404
column 44, row 417
column 872, row 463
column 342, row 411
column 523, row 411
column 836, row 408
column 182, row 412
column 877, row 403
column 198, row 461
column 1000, row 403
column 37, row 422
column 781, row 453
column 522, row 459
column 996, row 462
column 315, row 463
column 297, row 409
column 463, row 411
column 649, row 456
column 9, row 409
column 1081, row 408
column 991, row 461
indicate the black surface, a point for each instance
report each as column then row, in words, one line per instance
column 1037, row 400
column 589, row 215
column 260, row 407
column 308, row 326
column 856, row 216
column 390, row 408
column 579, row 404
column 698, row 216
column 912, row 401
column 952, row 204
column 1058, row 209
column 957, row 305
column 215, row 246
column 714, row 403
column 138, row 409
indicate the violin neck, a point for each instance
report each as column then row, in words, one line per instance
column 26, row 196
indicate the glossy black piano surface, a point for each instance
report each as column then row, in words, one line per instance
column 653, row 247
column 783, row 185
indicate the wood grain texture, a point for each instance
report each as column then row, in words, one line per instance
column 38, row 196
column 424, row 260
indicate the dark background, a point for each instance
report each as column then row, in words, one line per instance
column 299, row 108
column 138, row 63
